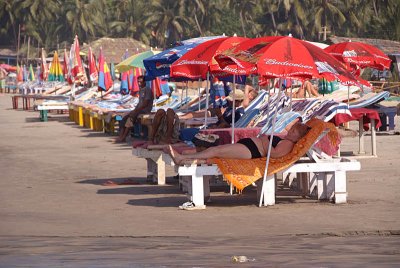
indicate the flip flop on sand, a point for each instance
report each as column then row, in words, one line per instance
column 191, row 206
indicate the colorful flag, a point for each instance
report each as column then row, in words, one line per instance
column 77, row 69
column 20, row 75
column 44, row 71
column 112, row 71
column 25, row 73
column 65, row 65
column 31, row 73
column 124, row 89
column 105, row 81
column 93, row 72
column 56, row 73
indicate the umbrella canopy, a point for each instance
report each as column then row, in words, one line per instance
column 198, row 40
column 8, row 68
column 361, row 54
column 283, row 57
column 159, row 65
column 135, row 61
column 199, row 60
column 55, row 72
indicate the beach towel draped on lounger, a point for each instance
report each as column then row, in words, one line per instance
column 242, row 173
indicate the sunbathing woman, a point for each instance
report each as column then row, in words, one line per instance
column 308, row 87
column 249, row 148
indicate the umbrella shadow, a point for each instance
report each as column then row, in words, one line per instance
column 138, row 180
column 49, row 119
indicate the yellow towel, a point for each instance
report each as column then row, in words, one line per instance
column 241, row 173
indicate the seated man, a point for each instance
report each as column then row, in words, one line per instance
column 143, row 107
column 249, row 148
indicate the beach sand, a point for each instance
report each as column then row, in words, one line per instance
column 55, row 212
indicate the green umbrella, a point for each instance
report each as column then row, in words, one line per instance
column 135, row 61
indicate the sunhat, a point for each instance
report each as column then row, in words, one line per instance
column 239, row 95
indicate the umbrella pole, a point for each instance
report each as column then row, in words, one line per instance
column 264, row 186
column 207, row 98
column 291, row 97
column 233, row 110
column 182, row 97
column 187, row 88
column 198, row 91
column 348, row 95
column 155, row 94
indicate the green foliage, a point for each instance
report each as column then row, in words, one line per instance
column 163, row 22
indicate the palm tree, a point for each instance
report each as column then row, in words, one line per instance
column 85, row 18
column 9, row 14
column 246, row 10
column 128, row 20
column 195, row 8
column 40, row 20
column 327, row 14
column 167, row 20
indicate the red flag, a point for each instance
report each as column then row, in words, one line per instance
column 93, row 73
column 77, row 70
column 44, row 71
column 65, row 65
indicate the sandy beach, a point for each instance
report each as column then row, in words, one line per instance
column 56, row 212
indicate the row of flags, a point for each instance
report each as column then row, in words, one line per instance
column 72, row 70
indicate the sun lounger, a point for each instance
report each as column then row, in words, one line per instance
column 369, row 99
column 43, row 109
column 329, row 172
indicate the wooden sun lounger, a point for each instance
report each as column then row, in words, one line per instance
column 156, row 162
column 43, row 109
column 327, row 174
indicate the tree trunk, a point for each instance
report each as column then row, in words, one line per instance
column 374, row 5
column 242, row 22
column 198, row 24
column 273, row 20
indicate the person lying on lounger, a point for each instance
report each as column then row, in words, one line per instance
column 166, row 123
column 249, row 148
column 308, row 87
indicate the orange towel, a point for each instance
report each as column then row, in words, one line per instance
column 241, row 173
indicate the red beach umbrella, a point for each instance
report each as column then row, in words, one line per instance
column 199, row 60
column 361, row 54
column 283, row 57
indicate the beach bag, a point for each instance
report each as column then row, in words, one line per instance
column 205, row 140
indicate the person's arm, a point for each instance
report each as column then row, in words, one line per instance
column 140, row 108
column 246, row 100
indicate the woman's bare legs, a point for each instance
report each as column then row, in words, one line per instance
column 235, row 151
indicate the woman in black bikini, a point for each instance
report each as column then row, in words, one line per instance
column 249, row 148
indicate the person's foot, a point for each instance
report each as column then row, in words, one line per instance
column 175, row 155
column 119, row 140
